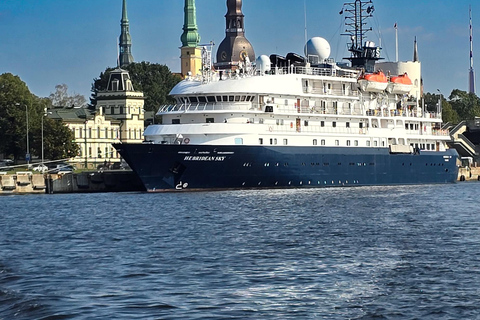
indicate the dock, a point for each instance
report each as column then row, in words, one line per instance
column 83, row 182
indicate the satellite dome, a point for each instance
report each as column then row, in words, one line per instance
column 317, row 46
column 263, row 63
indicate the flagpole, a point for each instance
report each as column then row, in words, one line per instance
column 396, row 42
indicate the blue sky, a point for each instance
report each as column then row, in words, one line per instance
column 50, row 42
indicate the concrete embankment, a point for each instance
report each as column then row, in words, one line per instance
column 469, row 174
column 107, row 181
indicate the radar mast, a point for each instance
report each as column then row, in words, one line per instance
column 363, row 54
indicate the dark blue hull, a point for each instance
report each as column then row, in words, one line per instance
column 195, row 167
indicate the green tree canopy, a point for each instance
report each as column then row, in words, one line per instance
column 467, row 105
column 16, row 102
column 154, row 80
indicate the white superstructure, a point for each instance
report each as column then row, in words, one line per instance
column 296, row 106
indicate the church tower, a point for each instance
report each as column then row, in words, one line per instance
column 191, row 54
column 235, row 48
column 125, row 41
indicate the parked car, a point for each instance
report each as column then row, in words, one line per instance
column 40, row 168
column 58, row 167
column 5, row 163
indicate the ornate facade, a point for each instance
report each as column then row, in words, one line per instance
column 118, row 117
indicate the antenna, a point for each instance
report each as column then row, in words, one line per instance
column 305, row 11
column 471, row 82
column 396, row 42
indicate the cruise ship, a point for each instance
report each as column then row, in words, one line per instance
column 296, row 121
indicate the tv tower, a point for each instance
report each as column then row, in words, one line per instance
column 471, row 81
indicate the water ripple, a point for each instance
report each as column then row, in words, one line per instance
column 346, row 253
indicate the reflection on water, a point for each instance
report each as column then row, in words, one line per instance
column 359, row 253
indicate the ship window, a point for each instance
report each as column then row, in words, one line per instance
column 271, row 141
column 285, row 142
column 225, row 98
column 337, row 142
column 383, row 143
column 275, row 141
column 211, row 99
column 411, row 126
column 260, row 140
column 305, row 123
column 237, row 98
column 269, row 109
column 406, row 126
column 360, row 125
column 238, row 140
column 314, row 142
column 210, row 120
column 230, row 98
column 334, row 124
column 348, row 142
column 428, row 146
column 368, row 143
column 260, row 120
column 175, row 121
column 375, row 143
column 322, row 123
column 219, row 99
column 355, row 143
column 322, row 142
column 347, row 124
column 193, row 99
column 243, row 98
column 202, row 99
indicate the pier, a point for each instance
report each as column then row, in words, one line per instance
column 83, row 182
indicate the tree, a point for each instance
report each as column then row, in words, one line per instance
column 154, row 80
column 61, row 97
column 466, row 105
column 16, row 102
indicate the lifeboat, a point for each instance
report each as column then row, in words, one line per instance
column 373, row 82
column 399, row 84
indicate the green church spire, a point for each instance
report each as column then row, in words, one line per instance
column 125, row 41
column 190, row 36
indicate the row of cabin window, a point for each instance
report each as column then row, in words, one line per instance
column 205, row 99
column 273, row 141
column 412, row 126
column 424, row 146
column 279, row 122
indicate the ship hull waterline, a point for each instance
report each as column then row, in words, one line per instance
column 170, row 167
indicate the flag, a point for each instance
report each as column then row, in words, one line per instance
column 395, row 26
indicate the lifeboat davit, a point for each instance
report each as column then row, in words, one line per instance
column 373, row 82
column 399, row 84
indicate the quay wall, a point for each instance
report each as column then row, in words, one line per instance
column 469, row 174
column 84, row 182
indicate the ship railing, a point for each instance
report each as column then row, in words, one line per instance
column 330, row 92
column 318, row 110
column 289, row 128
column 192, row 107
column 326, row 72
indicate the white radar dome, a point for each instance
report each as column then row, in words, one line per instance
column 263, row 63
column 318, row 46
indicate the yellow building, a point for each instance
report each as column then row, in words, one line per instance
column 118, row 117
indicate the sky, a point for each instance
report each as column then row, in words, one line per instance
column 50, row 42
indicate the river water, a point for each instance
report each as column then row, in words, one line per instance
column 408, row 252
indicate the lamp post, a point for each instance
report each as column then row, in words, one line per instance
column 44, row 115
column 439, row 106
column 27, row 155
